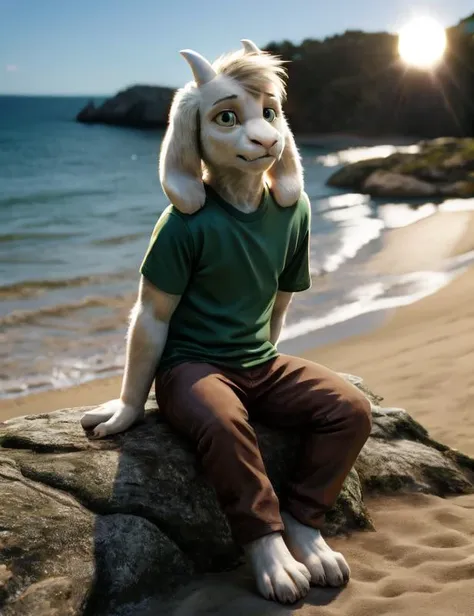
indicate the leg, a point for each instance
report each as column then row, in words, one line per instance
column 294, row 392
column 206, row 405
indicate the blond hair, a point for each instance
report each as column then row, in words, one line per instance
column 253, row 71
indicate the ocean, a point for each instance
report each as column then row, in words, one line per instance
column 77, row 207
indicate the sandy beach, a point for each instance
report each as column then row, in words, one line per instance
column 421, row 559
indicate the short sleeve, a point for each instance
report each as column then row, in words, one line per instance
column 296, row 276
column 168, row 261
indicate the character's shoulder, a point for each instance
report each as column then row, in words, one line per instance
column 208, row 211
column 303, row 204
column 170, row 223
column 301, row 212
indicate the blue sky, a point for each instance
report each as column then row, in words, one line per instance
column 101, row 46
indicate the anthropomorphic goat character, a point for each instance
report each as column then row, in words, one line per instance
column 223, row 262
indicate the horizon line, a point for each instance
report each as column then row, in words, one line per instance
column 80, row 95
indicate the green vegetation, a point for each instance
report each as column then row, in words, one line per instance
column 442, row 166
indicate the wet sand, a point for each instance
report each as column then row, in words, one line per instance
column 421, row 559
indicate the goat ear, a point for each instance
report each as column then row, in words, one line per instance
column 180, row 161
column 286, row 176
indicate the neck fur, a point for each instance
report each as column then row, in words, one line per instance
column 242, row 190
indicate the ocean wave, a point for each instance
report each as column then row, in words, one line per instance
column 51, row 196
column 15, row 237
column 66, row 373
column 119, row 239
column 352, row 240
column 393, row 292
column 29, row 288
column 20, row 317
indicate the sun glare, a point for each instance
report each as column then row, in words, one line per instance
column 422, row 42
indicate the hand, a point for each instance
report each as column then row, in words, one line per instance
column 111, row 417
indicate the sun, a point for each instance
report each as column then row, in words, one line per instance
column 422, row 42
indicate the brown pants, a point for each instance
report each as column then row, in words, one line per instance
column 212, row 405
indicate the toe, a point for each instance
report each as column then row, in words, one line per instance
column 99, row 431
column 264, row 585
column 343, row 566
column 285, row 589
column 304, row 570
column 316, row 569
column 301, row 582
column 332, row 572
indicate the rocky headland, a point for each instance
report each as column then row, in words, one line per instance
column 440, row 168
column 139, row 106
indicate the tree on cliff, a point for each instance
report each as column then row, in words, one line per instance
column 356, row 82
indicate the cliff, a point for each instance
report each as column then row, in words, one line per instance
column 139, row 106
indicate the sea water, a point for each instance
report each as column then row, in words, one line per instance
column 77, row 207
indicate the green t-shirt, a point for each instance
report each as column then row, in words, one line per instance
column 227, row 266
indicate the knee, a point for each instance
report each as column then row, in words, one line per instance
column 358, row 413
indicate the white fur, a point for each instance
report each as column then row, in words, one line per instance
column 153, row 327
column 278, row 575
column 197, row 149
column 308, row 546
column 146, row 339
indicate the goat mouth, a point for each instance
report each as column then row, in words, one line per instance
column 251, row 160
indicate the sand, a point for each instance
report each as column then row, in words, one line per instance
column 424, row 250
column 420, row 561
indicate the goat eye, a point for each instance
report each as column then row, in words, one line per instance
column 269, row 114
column 226, row 118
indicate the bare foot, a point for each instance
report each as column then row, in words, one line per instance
column 278, row 575
column 110, row 418
column 307, row 546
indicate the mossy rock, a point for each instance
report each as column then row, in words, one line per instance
column 461, row 190
column 354, row 175
column 440, row 162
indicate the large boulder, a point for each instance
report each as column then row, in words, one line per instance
column 109, row 527
column 389, row 184
column 439, row 167
column 353, row 176
column 137, row 106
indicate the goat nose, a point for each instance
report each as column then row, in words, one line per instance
column 265, row 143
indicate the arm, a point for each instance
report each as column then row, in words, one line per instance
column 280, row 308
column 149, row 322
column 166, row 270
column 146, row 338
column 296, row 276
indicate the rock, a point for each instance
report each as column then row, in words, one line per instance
column 138, row 106
column 439, row 167
column 108, row 528
column 454, row 161
column 353, row 176
column 87, row 113
column 390, row 184
column 462, row 189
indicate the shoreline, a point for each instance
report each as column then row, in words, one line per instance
column 453, row 233
column 351, row 140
